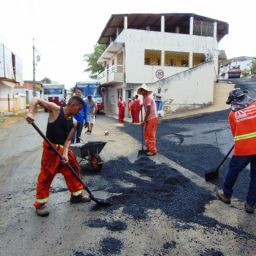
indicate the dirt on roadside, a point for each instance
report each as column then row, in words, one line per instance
column 8, row 120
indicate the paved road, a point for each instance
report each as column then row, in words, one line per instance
column 160, row 205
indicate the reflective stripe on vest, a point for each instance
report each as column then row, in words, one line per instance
column 245, row 136
column 77, row 193
column 42, row 200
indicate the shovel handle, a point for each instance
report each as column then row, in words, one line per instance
column 60, row 156
column 46, row 139
column 142, row 127
column 224, row 159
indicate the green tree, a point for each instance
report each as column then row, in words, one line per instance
column 253, row 67
column 46, row 80
column 246, row 72
column 91, row 58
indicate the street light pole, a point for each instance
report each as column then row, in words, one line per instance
column 34, row 70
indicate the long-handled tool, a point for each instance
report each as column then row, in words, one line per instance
column 98, row 201
column 213, row 174
column 142, row 151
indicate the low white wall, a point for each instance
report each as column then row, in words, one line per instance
column 19, row 102
column 6, row 103
column 187, row 90
column 11, row 99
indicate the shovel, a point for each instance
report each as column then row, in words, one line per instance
column 213, row 174
column 96, row 200
column 142, row 151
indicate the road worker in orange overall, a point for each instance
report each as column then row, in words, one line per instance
column 150, row 119
column 60, row 131
column 121, row 109
column 137, row 109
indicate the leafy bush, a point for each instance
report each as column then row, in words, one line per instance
column 253, row 67
column 246, row 72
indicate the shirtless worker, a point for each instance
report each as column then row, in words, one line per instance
column 60, row 130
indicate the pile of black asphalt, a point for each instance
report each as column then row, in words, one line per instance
column 197, row 157
column 163, row 188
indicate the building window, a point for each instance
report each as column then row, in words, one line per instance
column 176, row 59
column 203, row 28
column 152, row 57
column 198, row 58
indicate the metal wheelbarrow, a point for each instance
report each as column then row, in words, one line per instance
column 89, row 153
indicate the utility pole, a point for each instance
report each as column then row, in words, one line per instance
column 34, row 70
column 36, row 58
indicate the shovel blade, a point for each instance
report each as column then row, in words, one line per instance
column 142, row 152
column 103, row 202
column 214, row 174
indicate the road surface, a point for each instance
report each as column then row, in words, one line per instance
column 160, row 205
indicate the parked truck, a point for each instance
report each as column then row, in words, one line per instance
column 92, row 88
column 56, row 93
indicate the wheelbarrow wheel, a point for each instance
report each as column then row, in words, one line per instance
column 96, row 163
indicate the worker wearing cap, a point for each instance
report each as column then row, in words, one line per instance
column 242, row 120
column 150, row 119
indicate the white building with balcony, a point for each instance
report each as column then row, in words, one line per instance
column 176, row 51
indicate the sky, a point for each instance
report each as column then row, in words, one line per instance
column 65, row 30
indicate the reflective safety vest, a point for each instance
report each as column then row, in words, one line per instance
column 243, row 127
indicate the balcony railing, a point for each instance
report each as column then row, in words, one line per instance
column 114, row 74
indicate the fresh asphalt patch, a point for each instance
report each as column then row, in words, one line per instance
column 112, row 226
column 195, row 144
column 157, row 186
column 144, row 186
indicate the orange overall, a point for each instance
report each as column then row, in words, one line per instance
column 50, row 166
column 121, row 110
column 150, row 124
column 150, row 134
column 137, row 111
